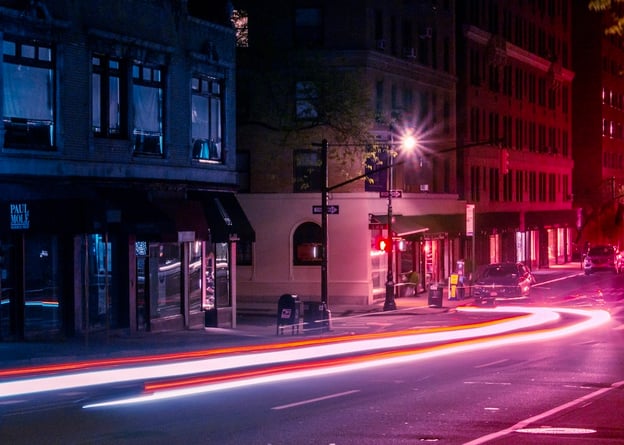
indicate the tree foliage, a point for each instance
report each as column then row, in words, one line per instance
column 615, row 12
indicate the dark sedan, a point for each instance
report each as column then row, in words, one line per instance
column 603, row 257
column 503, row 281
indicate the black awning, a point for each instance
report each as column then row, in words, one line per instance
column 225, row 216
column 551, row 218
column 403, row 226
column 132, row 211
column 501, row 221
column 454, row 224
column 188, row 216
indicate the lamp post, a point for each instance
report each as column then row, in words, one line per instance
column 408, row 142
column 389, row 303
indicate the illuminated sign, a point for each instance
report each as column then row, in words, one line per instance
column 20, row 216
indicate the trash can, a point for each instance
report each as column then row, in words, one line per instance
column 211, row 319
column 316, row 316
column 435, row 295
column 288, row 313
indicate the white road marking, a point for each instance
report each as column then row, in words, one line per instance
column 318, row 399
column 523, row 423
column 485, row 365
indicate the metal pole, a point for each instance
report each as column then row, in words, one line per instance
column 324, row 188
column 389, row 304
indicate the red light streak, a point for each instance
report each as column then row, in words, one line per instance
column 184, row 387
column 205, row 353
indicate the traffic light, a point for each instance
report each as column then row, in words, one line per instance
column 504, row 161
column 383, row 244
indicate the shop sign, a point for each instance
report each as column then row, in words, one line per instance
column 20, row 216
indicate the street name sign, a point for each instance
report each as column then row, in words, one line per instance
column 392, row 193
column 331, row 210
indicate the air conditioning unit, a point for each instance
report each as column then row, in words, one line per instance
column 424, row 187
column 409, row 53
column 381, row 44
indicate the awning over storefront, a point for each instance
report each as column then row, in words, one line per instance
column 189, row 219
column 132, row 211
column 403, row 226
column 452, row 224
column 551, row 218
column 225, row 216
column 499, row 221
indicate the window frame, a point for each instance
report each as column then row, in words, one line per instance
column 307, row 175
column 210, row 147
column 145, row 77
column 29, row 131
column 307, row 235
column 106, row 73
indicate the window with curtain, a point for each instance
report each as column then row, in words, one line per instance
column 307, row 170
column 106, row 96
column 207, row 119
column 28, row 94
column 308, row 245
column 306, row 97
column 147, row 100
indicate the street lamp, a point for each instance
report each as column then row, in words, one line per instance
column 408, row 142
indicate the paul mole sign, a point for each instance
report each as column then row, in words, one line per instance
column 20, row 216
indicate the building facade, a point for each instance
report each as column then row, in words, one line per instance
column 598, row 137
column 515, row 129
column 486, row 89
column 360, row 75
column 118, row 167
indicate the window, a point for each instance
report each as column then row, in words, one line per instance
column 307, row 245
column 207, row 119
column 307, row 166
column 28, row 95
column 306, row 96
column 309, row 27
column 147, row 97
column 107, row 109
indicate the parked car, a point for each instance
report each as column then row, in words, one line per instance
column 503, row 281
column 602, row 257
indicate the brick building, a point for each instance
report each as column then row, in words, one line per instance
column 117, row 172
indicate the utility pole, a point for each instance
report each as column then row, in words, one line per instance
column 324, row 190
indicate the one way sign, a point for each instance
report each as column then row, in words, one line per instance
column 331, row 210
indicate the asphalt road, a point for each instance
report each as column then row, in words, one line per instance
column 556, row 390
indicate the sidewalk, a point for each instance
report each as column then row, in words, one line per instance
column 251, row 329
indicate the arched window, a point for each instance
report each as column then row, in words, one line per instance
column 307, row 245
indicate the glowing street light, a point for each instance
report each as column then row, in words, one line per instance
column 408, row 143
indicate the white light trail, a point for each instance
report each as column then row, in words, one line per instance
column 594, row 319
column 536, row 317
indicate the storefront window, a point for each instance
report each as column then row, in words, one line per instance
column 7, row 287
column 222, row 275
column 100, row 281
column 166, row 300
column 195, row 273
column 42, row 287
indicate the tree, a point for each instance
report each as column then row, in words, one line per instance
column 615, row 10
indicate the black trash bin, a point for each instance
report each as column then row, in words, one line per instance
column 435, row 294
column 210, row 318
column 288, row 313
column 316, row 316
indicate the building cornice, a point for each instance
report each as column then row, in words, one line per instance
column 505, row 49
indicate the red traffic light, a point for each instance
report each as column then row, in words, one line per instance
column 383, row 244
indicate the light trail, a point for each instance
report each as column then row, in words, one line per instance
column 247, row 349
column 205, row 384
column 264, row 355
